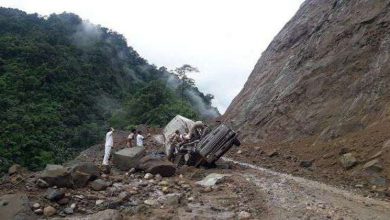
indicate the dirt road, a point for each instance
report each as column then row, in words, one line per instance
column 289, row 197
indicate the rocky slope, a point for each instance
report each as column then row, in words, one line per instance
column 325, row 74
column 319, row 91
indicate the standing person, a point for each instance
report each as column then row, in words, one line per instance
column 108, row 145
column 174, row 141
column 140, row 139
column 130, row 138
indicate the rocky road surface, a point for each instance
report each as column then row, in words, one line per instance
column 289, row 197
column 247, row 191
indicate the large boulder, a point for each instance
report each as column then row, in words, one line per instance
column 88, row 168
column 80, row 179
column 16, row 207
column 128, row 158
column 157, row 165
column 83, row 172
column 57, row 175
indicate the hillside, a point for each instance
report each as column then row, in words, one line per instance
column 63, row 81
column 320, row 90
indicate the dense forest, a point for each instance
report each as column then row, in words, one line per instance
column 63, row 81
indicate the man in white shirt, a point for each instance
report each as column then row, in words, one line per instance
column 140, row 139
column 108, row 145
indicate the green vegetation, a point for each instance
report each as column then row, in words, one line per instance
column 63, row 81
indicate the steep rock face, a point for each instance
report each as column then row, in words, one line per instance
column 326, row 74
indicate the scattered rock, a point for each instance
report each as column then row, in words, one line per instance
column 132, row 170
column 128, row 158
column 306, row 163
column 63, row 201
column 36, row 205
column 54, row 194
column 359, row 185
column 42, row 184
column 151, row 202
column 69, row 211
column 172, row 199
column 15, row 206
column 212, row 179
column 79, row 196
column 377, row 180
column 57, row 175
column 123, row 196
column 243, row 215
column 163, row 183
column 99, row 202
column 49, row 211
column 207, row 190
column 239, row 152
column 373, row 166
column 165, row 189
column 98, row 185
column 38, row 211
column 156, row 164
column 273, row 153
column 158, row 177
column 348, row 160
column 16, row 168
column 148, row 176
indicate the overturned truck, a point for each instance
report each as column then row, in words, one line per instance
column 201, row 146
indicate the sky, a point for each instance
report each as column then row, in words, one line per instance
column 222, row 38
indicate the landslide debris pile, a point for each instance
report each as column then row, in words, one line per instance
column 320, row 90
column 146, row 187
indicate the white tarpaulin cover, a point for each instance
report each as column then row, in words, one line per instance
column 177, row 123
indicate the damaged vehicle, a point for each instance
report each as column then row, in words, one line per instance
column 200, row 145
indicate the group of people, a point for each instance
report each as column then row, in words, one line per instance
column 135, row 138
column 197, row 130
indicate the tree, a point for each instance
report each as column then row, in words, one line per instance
column 186, row 82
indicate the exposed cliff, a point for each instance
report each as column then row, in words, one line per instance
column 326, row 74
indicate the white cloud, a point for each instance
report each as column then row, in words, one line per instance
column 223, row 38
